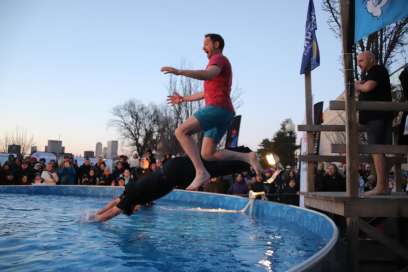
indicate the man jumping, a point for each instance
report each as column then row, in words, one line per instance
column 215, row 118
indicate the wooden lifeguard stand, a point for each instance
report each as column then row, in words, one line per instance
column 348, row 204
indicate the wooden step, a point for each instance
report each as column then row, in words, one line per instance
column 371, row 106
column 373, row 149
column 316, row 128
column 338, row 158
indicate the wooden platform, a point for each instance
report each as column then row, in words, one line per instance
column 393, row 205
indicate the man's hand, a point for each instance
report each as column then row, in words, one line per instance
column 170, row 70
column 357, row 85
column 174, row 99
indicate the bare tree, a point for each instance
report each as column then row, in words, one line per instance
column 168, row 124
column 138, row 124
column 17, row 137
column 386, row 44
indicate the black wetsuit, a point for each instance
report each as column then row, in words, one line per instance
column 175, row 172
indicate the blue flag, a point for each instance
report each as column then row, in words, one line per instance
column 372, row 15
column 311, row 56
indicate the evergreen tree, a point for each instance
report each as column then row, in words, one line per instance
column 283, row 144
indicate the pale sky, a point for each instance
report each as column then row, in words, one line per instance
column 65, row 64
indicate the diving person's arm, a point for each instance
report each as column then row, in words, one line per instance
column 109, row 205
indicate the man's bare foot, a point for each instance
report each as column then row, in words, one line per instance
column 253, row 161
column 199, row 180
column 378, row 190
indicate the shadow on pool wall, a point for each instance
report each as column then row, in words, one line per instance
column 323, row 260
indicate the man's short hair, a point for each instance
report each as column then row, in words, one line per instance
column 216, row 38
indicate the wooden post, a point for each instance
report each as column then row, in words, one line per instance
column 353, row 243
column 347, row 22
column 309, row 135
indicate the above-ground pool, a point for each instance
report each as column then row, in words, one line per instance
column 41, row 230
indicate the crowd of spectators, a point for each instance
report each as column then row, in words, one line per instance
column 283, row 187
column 333, row 179
column 280, row 185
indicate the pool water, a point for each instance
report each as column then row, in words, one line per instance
column 45, row 233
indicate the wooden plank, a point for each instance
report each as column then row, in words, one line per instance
column 337, row 105
column 389, row 243
column 321, row 158
column 317, row 128
column 373, row 149
column 371, row 106
column 325, row 205
column 393, row 205
column 339, row 158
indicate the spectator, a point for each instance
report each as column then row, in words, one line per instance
column 239, row 187
column 375, row 86
column 49, row 175
column 84, row 170
column 258, row 185
column 124, row 160
column 92, row 178
column 67, row 174
column 121, row 182
column 153, row 167
column 99, row 169
column 217, row 185
column 38, row 168
column 291, row 189
column 127, row 176
column 107, row 178
column 149, row 156
column 24, row 180
column 7, row 177
column 118, row 170
column 26, row 171
column 333, row 181
column 37, row 180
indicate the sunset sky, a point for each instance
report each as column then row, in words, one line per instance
column 65, row 64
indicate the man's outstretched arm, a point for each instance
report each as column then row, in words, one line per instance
column 208, row 74
column 109, row 205
column 108, row 214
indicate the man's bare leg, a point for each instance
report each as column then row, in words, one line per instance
column 209, row 152
column 183, row 135
column 382, row 182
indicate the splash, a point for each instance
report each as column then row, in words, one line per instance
column 87, row 217
column 247, row 209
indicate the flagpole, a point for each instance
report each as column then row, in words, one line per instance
column 309, row 136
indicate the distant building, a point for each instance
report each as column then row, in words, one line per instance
column 98, row 150
column 33, row 149
column 55, row 146
column 105, row 152
column 14, row 149
column 112, row 150
column 89, row 154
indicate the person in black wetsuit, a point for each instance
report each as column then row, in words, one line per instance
column 175, row 172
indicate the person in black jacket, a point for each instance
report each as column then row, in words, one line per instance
column 175, row 172
column 333, row 181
